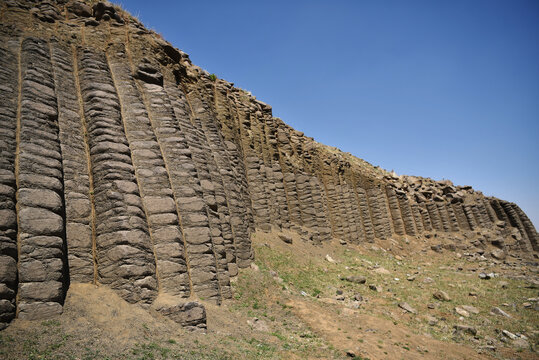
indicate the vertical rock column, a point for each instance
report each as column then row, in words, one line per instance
column 406, row 212
column 225, row 154
column 289, row 179
column 276, row 170
column 467, row 209
column 500, row 213
column 75, row 159
column 210, row 155
column 354, row 218
column 461, row 217
column 394, row 207
column 514, row 219
column 9, row 84
column 124, row 253
column 42, row 257
column 384, row 210
column 227, row 163
column 305, row 201
column 434, row 216
column 417, row 217
column 214, row 194
column 483, row 212
column 259, row 125
column 427, row 224
column 207, row 273
column 255, row 177
column 444, row 216
column 368, row 227
column 324, row 231
column 378, row 215
column 528, row 227
column 155, row 189
column 453, row 222
column 238, row 162
column 490, row 211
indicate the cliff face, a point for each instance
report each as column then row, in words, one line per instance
column 124, row 164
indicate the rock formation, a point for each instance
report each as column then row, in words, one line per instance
column 124, row 164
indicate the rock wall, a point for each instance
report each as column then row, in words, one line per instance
column 124, row 164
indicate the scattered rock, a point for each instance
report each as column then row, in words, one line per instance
column 191, row 315
column 465, row 329
column 428, row 280
column 488, row 276
column 406, row 307
column 498, row 311
column 462, row 312
column 510, row 335
column 498, row 254
column 254, row 267
column 470, row 309
column 441, row 295
column 382, row 270
column 330, row 259
column 431, row 320
column 358, row 279
column 503, row 284
column 351, row 353
column 376, row 288
column 521, row 343
column 287, row 239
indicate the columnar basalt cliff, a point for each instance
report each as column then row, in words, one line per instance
column 124, row 164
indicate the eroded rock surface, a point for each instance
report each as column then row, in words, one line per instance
column 124, row 164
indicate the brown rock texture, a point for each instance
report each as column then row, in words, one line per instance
column 124, row 164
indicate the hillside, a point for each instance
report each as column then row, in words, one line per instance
column 127, row 169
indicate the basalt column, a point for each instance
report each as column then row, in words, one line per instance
column 75, row 158
column 9, row 90
column 205, row 249
column 155, row 189
column 123, row 248
column 40, row 203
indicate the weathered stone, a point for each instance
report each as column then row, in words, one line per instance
column 441, row 295
column 8, row 269
column 406, row 307
column 40, row 198
column 287, row 239
column 39, row 310
column 356, row 279
column 80, row 9
column 191, row 315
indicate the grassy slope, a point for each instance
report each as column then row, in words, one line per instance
column 292, row 291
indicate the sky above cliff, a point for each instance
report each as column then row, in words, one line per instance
column 436, row 89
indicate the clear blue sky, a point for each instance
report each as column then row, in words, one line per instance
column 441, row 89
